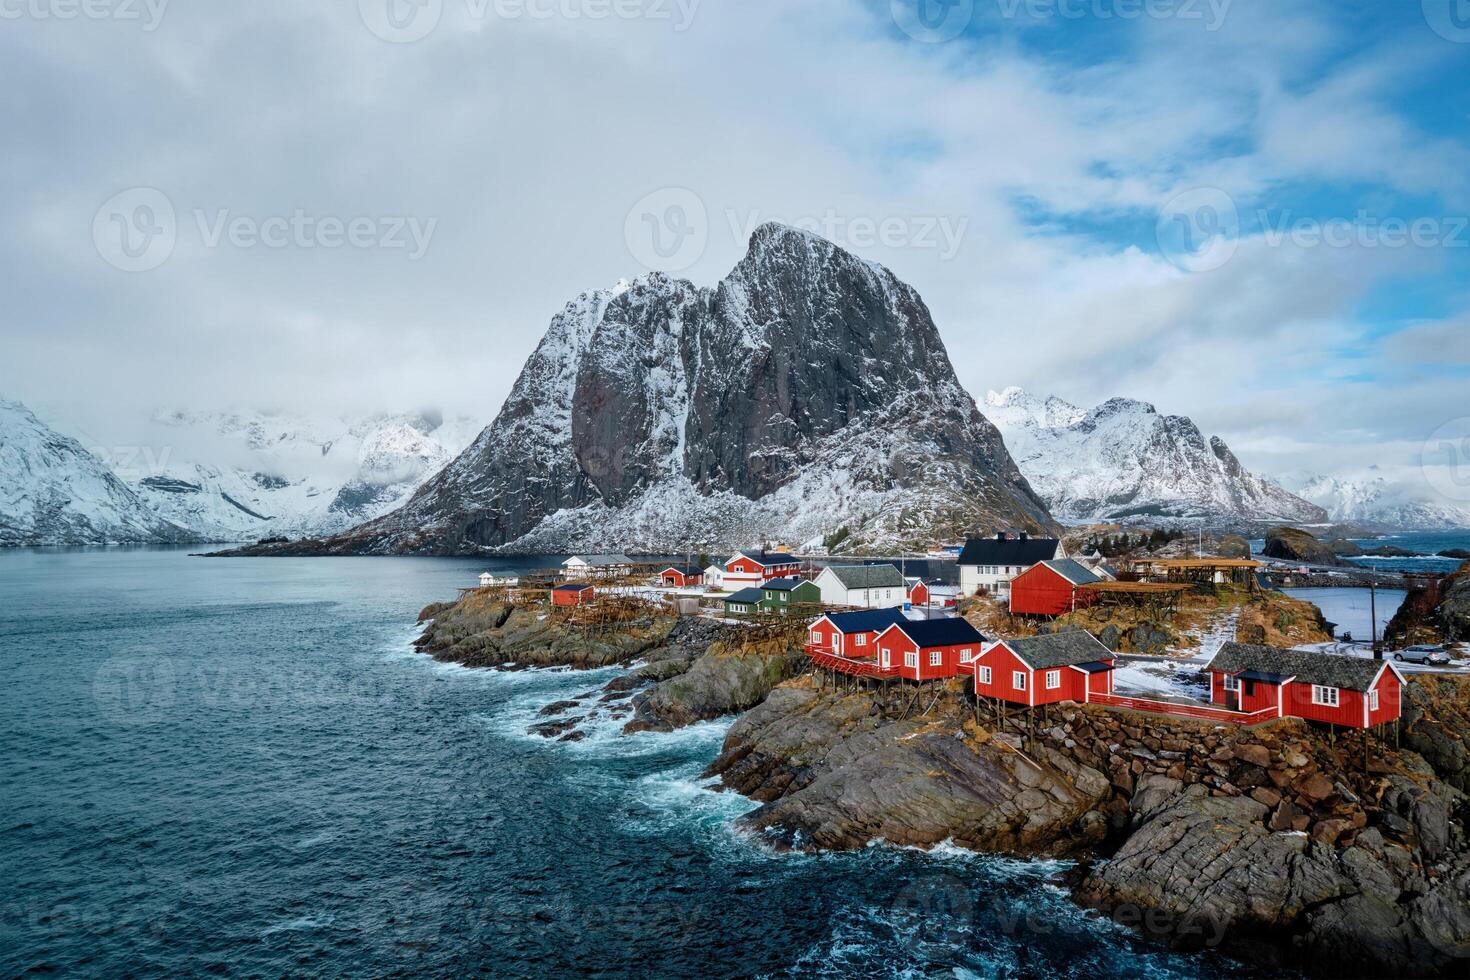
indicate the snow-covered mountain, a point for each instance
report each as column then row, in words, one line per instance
column 1378, row 503
column 1123, row 460
column 241, row 476
column 54, row 492
column 807, row 393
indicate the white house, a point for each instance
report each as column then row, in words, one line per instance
column 589, row 566
column 488, row 579
column 864, row 586
column 991, row 563
column 714, row 577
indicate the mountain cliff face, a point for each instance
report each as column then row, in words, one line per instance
column 1123, row 460
column 806, row 393
column 54, row 492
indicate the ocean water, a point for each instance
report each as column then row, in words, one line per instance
column 1426, row 545
column 240, row 767
column 1352, row 609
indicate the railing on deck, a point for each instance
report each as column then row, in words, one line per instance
column 828, row 660
column 1198, row 712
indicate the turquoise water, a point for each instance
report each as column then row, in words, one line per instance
column 1426, row 545
column 239, row 767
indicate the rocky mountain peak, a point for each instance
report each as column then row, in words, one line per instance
column 807, row 392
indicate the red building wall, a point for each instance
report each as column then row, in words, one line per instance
column 1003, row 664
column 567, row 598
column 919, row 594
column 1390, row 699
column 743, row 567
column 1074, row 684
column 823, row 634
column 897, row 645
column 1039, row 591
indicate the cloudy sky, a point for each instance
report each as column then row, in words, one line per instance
column 1248, row 211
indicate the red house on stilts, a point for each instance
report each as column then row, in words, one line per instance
column 1068, row 666
column 928, row 649
column 1354, row 692
column 1049, row 588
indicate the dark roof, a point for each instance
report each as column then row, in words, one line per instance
column 1066, row 649
column 865, row 621
column 574, row 587
column 684, row 570
column 783, row 584
column 767, row 558
column 928, row 569
column 991, row 551
column 1353, row 673
column 746, row 597
column 868, row 576
column 1072, row 571
column 940, row 632
column 1261, row 675
column 1094, row 667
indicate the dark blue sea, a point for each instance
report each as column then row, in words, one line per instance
column 239, row 767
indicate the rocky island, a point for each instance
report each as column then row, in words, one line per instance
column 1280, row 844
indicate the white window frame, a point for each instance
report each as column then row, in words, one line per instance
column 911, row 658
column 1373, row 700
column 1230, row 682
column 1327, row 697
column 1018, row 680
column 967, row 655
column 862, row 639
column 936, row 658
column 1053, row 679
column 886, row 658
column 985, row 675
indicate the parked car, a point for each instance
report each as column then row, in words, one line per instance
column 1423, row 653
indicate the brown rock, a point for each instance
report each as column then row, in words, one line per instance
column 1314, row 788
column 1265, row 797
column 1328, row 831
column 1284, row 817
column 1256, row 755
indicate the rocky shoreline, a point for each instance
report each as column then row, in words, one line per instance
column 1277, row 843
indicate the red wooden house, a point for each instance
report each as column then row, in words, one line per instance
column 1067, row 666
column 1049, row 588
column 1354, row 692
column 680, row 577
column 752, row 569
column 918, row 592
column 575, row 594
column 852, row 634
column 928, row 650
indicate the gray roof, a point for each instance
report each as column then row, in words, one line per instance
column 1074, row 572
column 1065, row 649
column 1352, row 673
column 745, row 597
column 868, row 576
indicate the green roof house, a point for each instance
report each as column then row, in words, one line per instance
column 780, row 594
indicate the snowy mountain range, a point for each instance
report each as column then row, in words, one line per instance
column 54, row 492
column 1377, row 503
column 240, row 476
column 1124, row 461
column 807, row 394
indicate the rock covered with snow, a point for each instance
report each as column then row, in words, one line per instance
column 54, row 492
column 807, row 392
column 1123, row 460
column 1377, row 502
column 244, row 475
